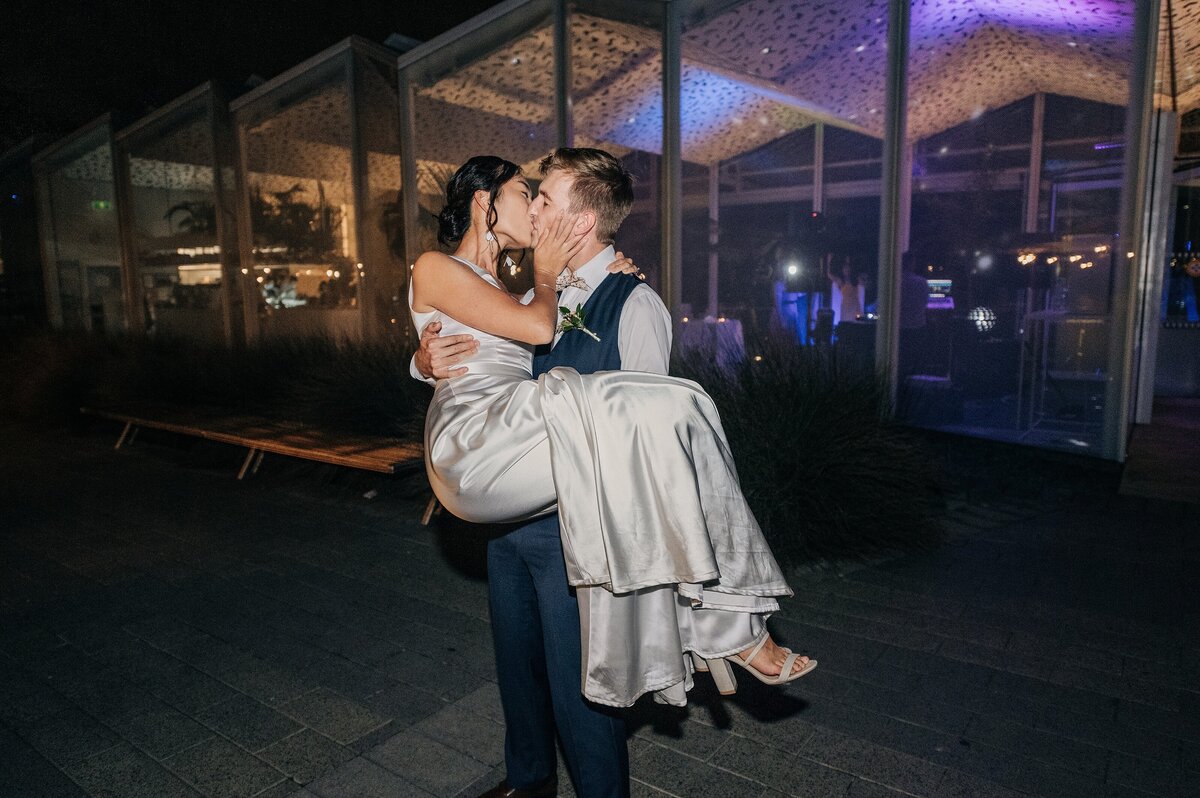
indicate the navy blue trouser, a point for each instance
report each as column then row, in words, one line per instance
column 535, row 629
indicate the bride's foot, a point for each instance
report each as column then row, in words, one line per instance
column 770, row 659
column 767, row 662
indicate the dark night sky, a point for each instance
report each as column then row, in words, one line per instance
column 64, row 63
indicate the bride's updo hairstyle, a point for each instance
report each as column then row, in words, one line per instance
column 482, row 173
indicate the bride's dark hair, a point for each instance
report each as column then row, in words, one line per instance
column 481, row 173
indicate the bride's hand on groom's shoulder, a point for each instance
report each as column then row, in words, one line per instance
column 437, row 357
column 624, row 265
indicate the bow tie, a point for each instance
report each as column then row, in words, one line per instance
column 568, row 279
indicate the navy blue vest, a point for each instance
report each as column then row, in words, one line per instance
column 601, row 315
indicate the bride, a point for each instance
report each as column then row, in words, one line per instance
column 635, row 464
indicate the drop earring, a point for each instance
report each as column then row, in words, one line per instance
column 489, row 236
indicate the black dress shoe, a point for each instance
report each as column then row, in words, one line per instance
column 547, row 789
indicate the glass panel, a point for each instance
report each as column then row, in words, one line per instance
column 382, row 247
column 616, row 95
column 173, row 218
column 296, row 142
column 499, row 100
column 781, row 128
column 1006, row 295
column 1181, row 300
column 1177, row 372
column 82, row 244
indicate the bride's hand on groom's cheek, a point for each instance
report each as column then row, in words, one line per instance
column 557, row 243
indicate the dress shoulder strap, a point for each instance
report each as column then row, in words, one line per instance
column 487, row 277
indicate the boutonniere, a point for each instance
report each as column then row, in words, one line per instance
column 573, row 320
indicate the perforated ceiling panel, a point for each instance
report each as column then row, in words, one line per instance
column 768, row 67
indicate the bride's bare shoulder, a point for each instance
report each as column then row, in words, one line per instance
column 433, row 261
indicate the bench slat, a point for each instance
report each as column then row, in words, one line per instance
column 382, row 455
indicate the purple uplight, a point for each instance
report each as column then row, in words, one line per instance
column 1105, row 17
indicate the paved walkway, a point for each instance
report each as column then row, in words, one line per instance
column 166, row 630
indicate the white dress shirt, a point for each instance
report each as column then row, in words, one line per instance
column 644, row 339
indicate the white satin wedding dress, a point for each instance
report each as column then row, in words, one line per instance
column 645, row 487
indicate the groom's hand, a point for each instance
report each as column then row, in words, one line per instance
column 436, row 356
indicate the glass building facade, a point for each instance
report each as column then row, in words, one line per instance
column 990, row 207
column 953, row 200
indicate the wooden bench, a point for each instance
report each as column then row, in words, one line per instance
column 260, row 435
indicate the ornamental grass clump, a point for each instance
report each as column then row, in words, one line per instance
column 361, row 388
column 827, row 474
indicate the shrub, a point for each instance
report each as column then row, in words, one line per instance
column 826, row 473
column 360, row 388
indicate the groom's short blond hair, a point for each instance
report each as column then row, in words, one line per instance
column 602, row 185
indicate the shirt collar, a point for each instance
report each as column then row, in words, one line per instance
column 595, row 270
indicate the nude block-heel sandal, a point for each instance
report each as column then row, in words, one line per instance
column 785, row 674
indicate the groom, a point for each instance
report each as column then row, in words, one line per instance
column 535, row 614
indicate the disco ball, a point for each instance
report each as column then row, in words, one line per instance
column 983, row 318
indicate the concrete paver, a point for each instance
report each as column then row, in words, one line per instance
column 167, row 630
